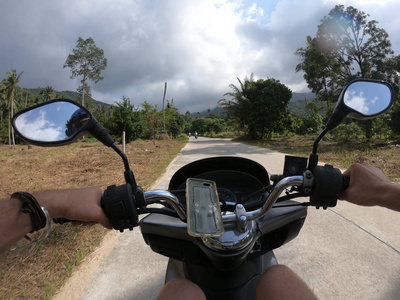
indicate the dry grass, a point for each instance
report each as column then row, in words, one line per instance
column 342, row 155
column 36, row 270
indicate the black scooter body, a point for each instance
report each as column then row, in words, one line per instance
column 222, row 274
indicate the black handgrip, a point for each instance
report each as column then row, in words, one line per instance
column 119, row 206
column 61, row 220
column 346, row 182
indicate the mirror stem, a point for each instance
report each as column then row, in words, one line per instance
column 129, row 177
column 336, row 118
column 318, row 139
column 313, row 160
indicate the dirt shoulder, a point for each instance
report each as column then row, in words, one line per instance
column 82, row 275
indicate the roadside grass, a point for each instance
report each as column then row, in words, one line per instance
column 340, row 154
column 37, row 270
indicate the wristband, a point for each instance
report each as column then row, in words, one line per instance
column 39, row 215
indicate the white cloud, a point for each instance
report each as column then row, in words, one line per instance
column 198, row 47
column 38, row 127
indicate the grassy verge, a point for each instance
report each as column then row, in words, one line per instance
column 342, row 155
column 36, row 270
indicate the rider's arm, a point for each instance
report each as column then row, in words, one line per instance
column 369, row 186
column 82, row 205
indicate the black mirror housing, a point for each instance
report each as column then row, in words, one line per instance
column 56, row 123
column 362, row 99
column 53, row 123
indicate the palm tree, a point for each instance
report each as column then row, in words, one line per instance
column 10, row 90
column 239, row 104
column 48, row 93
column 3, row 101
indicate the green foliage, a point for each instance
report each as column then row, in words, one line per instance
column 206, row 126
column 102, row 114
column 310, row 124
column 346, row 46
column 48, row 93
column 381, row 127
column 174, row 121
column 346, row 132
column 269, row 105
column 125, row 117
column 258, row 107
column 238, row 107
column 313, row 123
column 394, row 121
column 4, row 131
column 9, row 90
column 152, row 119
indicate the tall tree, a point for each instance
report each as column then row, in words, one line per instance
column 269, row 107
column 87, row 60
column 346, row 46
column 238, row 107
column 10, row 90
column 258, row 106
column 319, row 73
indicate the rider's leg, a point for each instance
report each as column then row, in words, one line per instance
column 280, row 282
column 181, row 289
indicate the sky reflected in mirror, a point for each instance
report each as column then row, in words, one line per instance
column 56, row 121
column 368, row 98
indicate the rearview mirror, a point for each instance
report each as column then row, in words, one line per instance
column 367, row 99
column 362, row 99
column 55, row 122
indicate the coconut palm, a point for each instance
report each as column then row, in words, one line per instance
column 239, row 105
column 48, row 93
column 10, row 90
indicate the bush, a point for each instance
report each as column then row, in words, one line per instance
column 182, row 137
column 312, row 123
column 346, row 132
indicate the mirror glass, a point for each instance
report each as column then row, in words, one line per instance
column 368, row 98
column 52, row 122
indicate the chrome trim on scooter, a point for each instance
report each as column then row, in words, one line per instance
column 232, row 240
column 157, row 196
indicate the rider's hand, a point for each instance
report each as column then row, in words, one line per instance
column 81, row 205
column 369, row 186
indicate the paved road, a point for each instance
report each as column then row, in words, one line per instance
column 348, row 252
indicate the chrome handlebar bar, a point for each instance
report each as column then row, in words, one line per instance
column 157, row 196
column 271, row 200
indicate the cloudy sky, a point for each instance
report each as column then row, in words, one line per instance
column 197, row 47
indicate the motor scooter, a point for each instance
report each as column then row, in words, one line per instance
column 221, row 217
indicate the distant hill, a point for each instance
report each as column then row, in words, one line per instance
column 36, row 93
column 210, row 113
column 297, row 106
column 301, row 96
